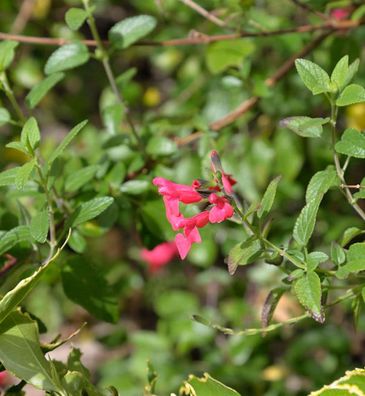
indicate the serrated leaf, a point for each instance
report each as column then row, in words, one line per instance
column 308, row 290
column 320, row 183
column 313, row 76
column 80, row 282
column 4, row 116
column 352, row 143
column 12, row 237
column 66, row 141
column 268, row 198
column 30, row 135
column 79, row 178
column 67, row 57
column 305, row 126
column 352, row 94
column 304, row 225
column 206, row 386
column 7, row 177
column 24, row 173
column 75, row 17
column 90, row 209
column 224, row 54
column 243, row 253
column 355, row 260
column 39, row 226
column 339, row 75
column 38, row 92
column 7, row 53
column 270, row 305
column 314, row 259
column 21, row 355
column 124, row 33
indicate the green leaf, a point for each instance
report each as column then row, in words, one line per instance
column 12, row 237
column 340, row 72
column 224, row 54
column 30, row 135
column 67, row 57
column 308, row 291
column 79, row 178
column 161, row 146
column 243, row 253
column 39, row 226
column 24, row 173
column 112, row 117
column 304, row 225
column 270, row 305
column 77, row 242
column 305, row 126
column 38, row 92
column 18, row 146
column 66, row 141
column 90, row 209
column 7, row 53
column 124, row 33
column 313, row 76
column 320, row 183
column 20, row 353
column 268, row 198
column 75, row 17
column 135, row 187
column 7, row 177
column 355, row 260
column 314, row 259
column 349, row 234
column 86, row 286
column 352, row 143
column 338, row 255
column 354, row 93
column 4, row 116
column 206, row 386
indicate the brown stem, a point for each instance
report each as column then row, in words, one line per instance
column 203, row 12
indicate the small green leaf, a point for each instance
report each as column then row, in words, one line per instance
column 24, row 173
column 86, row 286
column 224, row 54
column 308, row 291
column 12, row 237
column 4, row 116
column 66, row 141
column 320, row 183
column 30, row 135
column 161, row 146
column 268, row 198
column 21, row 355
column 90, row 209
column 135, row 187
column 354, row 93
column 7, row 53
column 243, row 253
column 79, row 178
column 338, row 255
column 18, row 146
column 75, row 17
column 38, row 92
column 7, row 177
column 352, row 143
column 124, row 33
column 313, row 76
column 339, row 75
column 314, row 259
column 67, row 57
column 112, row 117
column 349, row 234
column 206, row 386
column 77, row 242
column 304, row 226
column 39, row 226
column 305, row 126
column 355, row 260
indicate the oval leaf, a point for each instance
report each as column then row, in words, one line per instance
column 67, row 57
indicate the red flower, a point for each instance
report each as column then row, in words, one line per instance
column 221, row 210
column 340, row 14
column 160, row 255
column 4, row 378
column 180, row 192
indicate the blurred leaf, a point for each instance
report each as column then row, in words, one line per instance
column 89, row 210
column 38, row 92
column 4, row 116
column 112, row 117
column 77, row 242
column 124, row 33
column 308, row 291
column 18, row 146
column 305, row 126
column 224, row 54
column 7, row 177
column 79, row 178
column 75, row 17
column 161, row 146
column 354, row 93
column 11, row 238
column 313, row 76
column 39, row 226
column 135, row 187
column 350, row 234
column 86, row 286
column 67, row 57
column 21, row 354
column 352, row 143
column 268, row 198
column 30, row 136
column 206, row 386
column 7, row 53
column 24, row 173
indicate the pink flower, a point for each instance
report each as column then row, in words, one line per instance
column 3, row 378
column 181, row 192
column 340, row 13
column 228, row 183
column 221, row 210
column 160, row 255
column 227, row 180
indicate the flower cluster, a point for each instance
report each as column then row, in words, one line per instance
column 201, row 191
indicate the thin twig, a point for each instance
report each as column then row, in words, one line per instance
column 308, row 8
column 23, row 16
column 203, row 12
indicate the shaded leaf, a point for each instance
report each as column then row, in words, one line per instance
column 270, row 305
column 7, row 177
column 305, row 126
column 4, row 116
column 67, row 57
column 75, row 17
column 79, row 178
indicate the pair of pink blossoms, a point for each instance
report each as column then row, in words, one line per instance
column 199, row 192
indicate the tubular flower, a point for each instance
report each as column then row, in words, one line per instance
column 200, row 191
column 160, row 255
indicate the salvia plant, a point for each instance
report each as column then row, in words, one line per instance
column 60, row 201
